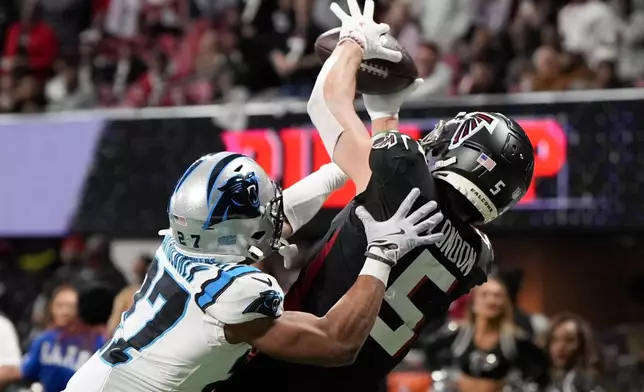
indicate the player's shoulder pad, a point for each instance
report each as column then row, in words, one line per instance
column 241, row 295
column 265, row 296
column 394, row 139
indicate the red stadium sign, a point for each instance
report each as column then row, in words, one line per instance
column 292, row 153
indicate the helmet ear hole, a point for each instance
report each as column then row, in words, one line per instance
column 258, row 235
column 255, row 253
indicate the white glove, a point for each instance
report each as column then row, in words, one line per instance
column 380, row 106
column 390, row 240
column 362, row 30
column 289, row 252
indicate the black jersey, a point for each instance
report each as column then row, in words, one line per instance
column 421, row 286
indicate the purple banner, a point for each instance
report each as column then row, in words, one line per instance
column 43, row 164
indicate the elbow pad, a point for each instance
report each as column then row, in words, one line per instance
column 323, row 119
column 304, row 199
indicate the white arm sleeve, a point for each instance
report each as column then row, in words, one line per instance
column 328, row 127
column 304, row 199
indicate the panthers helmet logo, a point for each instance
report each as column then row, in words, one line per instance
column 238, row 199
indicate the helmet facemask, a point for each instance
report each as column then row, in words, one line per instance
column 436, row 142
column 274, row 212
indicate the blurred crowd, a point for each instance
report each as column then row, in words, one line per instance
column 58, row 308
column 77, row 54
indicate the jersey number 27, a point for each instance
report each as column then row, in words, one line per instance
column 158, row 306
column 424, row 267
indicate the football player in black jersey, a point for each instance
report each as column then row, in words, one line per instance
column 476, row 165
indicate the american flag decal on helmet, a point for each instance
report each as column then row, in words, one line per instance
column 471, row 124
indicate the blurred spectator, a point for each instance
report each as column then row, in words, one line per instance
column 292, row 50
column 436, row 74
column 443, row 21
column 28, row 95
column 513, row 280
column 86, row 262
column 493, row 15
column 62, row 308
column 125, row 299
column 127, row 69
column 487, row 349
column 208, row 62
column 322, row 15
column 574, row 68
column 8, row 15
column 140, row 53
column 541, row 327
column 95, row 304
column 99, row 265
column 213, row 9
column 9, row 352
column 164, row 16
column 70, row 88
column 585, row 25
column 479, row 80
column 30, row 43
column 71, row 258
column 547, row 71
column 122, row 18
column 56, row 354
column 606, row 75
column 631, row 64
column 68, row 18
column 157, row 86
column 573, row 355
column 403, row 27
column 218, row 67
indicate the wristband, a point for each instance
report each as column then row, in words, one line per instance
column 379, row 256
column 374, row 115
column 356, row 39
column 377, row 269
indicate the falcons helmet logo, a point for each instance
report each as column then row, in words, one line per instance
column 470, row 124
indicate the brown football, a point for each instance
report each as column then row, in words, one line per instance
column 376, row 76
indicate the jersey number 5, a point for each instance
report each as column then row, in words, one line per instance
column 157, row 309
column 424, row 267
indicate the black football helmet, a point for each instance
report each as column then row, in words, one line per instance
column 485, row 157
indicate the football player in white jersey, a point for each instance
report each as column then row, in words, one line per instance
column 202, row 305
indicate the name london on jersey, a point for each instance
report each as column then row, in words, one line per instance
column 455, row 249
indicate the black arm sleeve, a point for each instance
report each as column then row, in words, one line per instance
column 397, row 166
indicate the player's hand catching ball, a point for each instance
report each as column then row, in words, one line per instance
column 381, row 106
column 390, row 240
column 360, row 28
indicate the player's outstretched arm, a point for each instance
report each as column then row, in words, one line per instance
column 336, row 338
column 304, row 199
column 331, row 104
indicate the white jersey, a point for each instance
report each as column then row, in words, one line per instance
column 172, row 339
